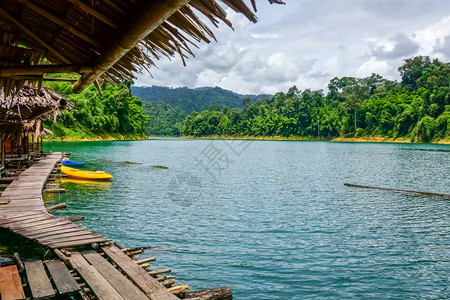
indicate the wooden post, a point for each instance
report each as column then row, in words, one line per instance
column 146, row 18
column 3, row 151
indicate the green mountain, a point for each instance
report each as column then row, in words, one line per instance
column 190, row 100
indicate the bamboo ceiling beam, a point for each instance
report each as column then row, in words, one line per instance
column 93, row 12
column 146, row 18
column 33, row 35
column 42, row 69
column 61, row 23
column 41, row 78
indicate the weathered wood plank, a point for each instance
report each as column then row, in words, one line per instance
column 98, row 284
column 67, row 235
column 85, row 236
column 77, row 242
column 40, row 285
column 119, row 282
column 34, row 229
column 151, row 287
column 52, row 231
column 10, row 284
column 64, row 281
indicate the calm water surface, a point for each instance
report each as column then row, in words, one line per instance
column 272, row 219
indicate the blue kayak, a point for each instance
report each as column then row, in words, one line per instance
column 72, row 163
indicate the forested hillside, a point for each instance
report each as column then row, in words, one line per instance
column 115, row 114
column 417, row 108
column 165, row 120
column 190, row 99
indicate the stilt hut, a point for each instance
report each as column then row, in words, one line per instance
column 21, row 117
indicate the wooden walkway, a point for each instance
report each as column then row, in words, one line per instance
column 22, row 210
column 104, row 273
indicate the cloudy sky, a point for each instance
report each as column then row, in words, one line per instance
column 308, row 42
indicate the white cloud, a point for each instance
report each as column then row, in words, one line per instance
column 308, row 42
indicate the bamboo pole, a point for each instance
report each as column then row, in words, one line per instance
column 3, row 151
column 61, row 23
column 42, row 69
column 93, row 12
column 398, row 190
column 34, row 36
column 146, row 18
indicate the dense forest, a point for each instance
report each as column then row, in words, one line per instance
column 190, row 99
column 165, row 120
column 114, row 115
column 417, row 108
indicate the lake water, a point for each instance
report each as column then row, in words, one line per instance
column 273, row 219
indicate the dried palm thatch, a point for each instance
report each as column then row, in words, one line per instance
column 109, row 40
column 24, row 110
column 28, row 104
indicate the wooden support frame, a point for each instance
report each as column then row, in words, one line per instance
column 147, row 18
column 62, row 23
column 34, row 36
column 93, row 12
column 42, row 69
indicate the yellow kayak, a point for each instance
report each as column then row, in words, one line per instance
column 82, row 174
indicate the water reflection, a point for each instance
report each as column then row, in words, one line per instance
column 84, row 183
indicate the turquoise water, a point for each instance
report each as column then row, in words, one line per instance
column 273, row 219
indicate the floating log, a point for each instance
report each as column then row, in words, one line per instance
column 165, row 277
column 159, row 167
column 63, row 257
column 143, row 261
column 130, row 253
column 75, row 218
column 157, row 272
column 19, row 263
column 54, row 191
column 8, row 179
column 168, row 283
column 176, row 288
column 222, row 293
column 398, row 190
column 57, row 206
column 54, row 185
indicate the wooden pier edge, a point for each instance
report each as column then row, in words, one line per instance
column 24, row 213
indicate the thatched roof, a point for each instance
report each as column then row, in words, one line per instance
column 101, row 39
column 27, row 104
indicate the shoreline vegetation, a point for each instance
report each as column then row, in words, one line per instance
column 378, row 139
column 371, row 109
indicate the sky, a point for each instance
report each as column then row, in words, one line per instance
column 308, row 42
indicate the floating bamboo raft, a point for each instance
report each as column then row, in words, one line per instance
column 86, row 265
column 399, row 190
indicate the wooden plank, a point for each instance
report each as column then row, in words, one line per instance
column 34, row 229
column 30, row 219
column 10, row 284
column 98, row 284
column 33, row 225
column 85, row 236
column 64, row 281
column 67, row 235
column 77, row 243
column 40, row 285
column 151, row 287
column 119, row 282
column 50, row 232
